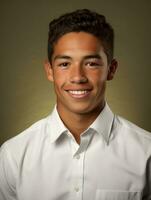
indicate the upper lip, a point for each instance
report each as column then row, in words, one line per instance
column 78, row 89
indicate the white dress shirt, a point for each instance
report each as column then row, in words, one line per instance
column 112, row 162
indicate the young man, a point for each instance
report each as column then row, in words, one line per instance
column 82, row 150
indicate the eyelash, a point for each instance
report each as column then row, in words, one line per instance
column 91, row 64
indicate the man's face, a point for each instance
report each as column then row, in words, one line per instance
column 79, row 70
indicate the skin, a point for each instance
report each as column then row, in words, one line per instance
column 79, row 70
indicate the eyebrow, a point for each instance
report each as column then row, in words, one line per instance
column 96, row 56
column 62, row 57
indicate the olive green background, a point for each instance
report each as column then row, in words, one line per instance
column 27, row 96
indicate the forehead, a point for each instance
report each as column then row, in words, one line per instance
column 76, row 42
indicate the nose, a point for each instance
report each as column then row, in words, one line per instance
column 78, row 75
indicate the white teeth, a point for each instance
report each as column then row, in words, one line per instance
column 78, row 92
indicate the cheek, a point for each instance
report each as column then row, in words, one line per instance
column 59, row 78
column 98, row 78
column 58, row 83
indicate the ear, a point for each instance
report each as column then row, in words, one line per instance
column 48, row 70
column 112, row 69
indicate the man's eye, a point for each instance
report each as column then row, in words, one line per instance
column 92, row 64
column 64, row 64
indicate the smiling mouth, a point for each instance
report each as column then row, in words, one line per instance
column 78, row 93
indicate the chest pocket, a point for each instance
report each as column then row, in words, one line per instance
column 117, row 195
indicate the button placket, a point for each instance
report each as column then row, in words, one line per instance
column 78, row 175
column 78, row 155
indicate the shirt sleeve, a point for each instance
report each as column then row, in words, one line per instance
column 147, row 189
column 7, row 175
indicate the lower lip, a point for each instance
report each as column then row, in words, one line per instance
column 79, row 96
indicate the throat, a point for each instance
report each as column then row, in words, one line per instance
column 78, row 123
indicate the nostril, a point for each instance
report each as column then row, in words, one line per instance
column 79, row 80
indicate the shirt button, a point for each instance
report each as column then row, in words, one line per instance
column 78, row 157
column 76, row 189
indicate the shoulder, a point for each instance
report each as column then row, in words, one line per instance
column 133, row 134
column 133, row 127
column 28, row 137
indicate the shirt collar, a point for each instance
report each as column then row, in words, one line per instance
column 55, row 126
column 102, row 124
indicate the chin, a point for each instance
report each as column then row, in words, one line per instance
column 82, row 109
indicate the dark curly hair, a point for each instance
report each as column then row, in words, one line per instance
column 82, row 20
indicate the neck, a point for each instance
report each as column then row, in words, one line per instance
column 77, row 123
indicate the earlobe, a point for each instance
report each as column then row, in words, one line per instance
column 48, row 70
column 112, row 69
